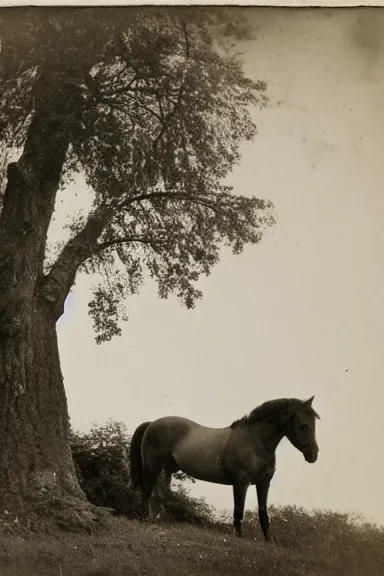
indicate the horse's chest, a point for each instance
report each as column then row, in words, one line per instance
column 263, row 470
column 246, row 461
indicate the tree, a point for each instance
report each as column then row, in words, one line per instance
column 150, row 106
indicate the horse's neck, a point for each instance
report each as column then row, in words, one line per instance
column 272, row 431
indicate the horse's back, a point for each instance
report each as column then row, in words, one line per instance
column 196, row 449
column 172, row 429
column 171, row 425
column 162, row 434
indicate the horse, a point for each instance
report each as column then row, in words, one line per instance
column 239, row 455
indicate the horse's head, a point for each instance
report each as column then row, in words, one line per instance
column 301, row 430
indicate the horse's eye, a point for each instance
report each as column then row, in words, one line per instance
column 305, row 429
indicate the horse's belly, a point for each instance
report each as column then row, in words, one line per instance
column 207, row 471
column 203, row 462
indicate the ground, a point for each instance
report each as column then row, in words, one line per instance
column 133, row 548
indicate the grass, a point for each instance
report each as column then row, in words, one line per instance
column 318, row 544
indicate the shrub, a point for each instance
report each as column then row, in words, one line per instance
column 102, row 466
column 322, row 534
column 101, row 462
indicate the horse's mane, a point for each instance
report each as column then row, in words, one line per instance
column 270, row 408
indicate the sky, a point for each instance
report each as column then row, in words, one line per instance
column 299, row 314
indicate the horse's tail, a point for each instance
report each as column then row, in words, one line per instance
column 135, row 459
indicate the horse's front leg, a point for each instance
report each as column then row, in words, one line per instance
column 262, row 489
column 240, row 488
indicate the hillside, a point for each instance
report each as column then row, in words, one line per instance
column 322, row 544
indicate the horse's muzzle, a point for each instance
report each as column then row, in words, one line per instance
column 311, row 456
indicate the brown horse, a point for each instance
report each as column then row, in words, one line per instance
column 239, row 455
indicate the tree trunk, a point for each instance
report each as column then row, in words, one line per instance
column 36, row 467
column 35, row 458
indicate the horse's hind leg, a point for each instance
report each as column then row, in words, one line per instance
column 149, row 484
column 167, row 478
column 151, row 473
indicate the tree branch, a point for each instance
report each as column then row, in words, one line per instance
column 123, row 105
column 178, row 102
column 126, row 240
column 57, row 283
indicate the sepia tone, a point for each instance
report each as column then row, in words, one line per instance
column 202, row 334
column 301, row 313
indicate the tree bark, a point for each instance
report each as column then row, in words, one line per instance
column 35, row 457
column 36, row 464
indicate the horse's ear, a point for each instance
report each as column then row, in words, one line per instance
column 309, row 401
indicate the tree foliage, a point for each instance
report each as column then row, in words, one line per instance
column 159, row 107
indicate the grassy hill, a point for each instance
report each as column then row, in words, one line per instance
column 318, row 544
